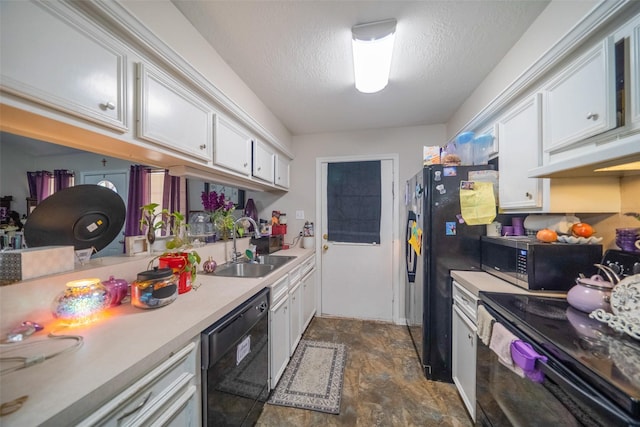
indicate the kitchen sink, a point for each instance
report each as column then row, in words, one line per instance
column 266, row 264
column 275, row 260
column 243, row 269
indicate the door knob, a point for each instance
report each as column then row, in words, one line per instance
column 325, row 247
column 325, row 236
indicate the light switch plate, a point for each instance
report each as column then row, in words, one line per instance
column 299, row 214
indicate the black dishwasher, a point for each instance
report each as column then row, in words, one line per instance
column 235, row 365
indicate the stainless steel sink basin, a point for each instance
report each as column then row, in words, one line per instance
column 243, row 269
column 275, row 260
column 266, row 264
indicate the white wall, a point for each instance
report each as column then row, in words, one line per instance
column 166, row 22
column 407, row 142
column 556, row 20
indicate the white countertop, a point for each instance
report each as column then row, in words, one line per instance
column 479, row 281
column 121, row 347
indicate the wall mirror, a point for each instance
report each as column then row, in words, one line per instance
column 19, row 154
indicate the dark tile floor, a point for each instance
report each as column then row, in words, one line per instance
column 383, row 385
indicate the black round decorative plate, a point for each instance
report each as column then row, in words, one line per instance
column 83, row 216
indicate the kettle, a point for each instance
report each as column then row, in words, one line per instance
column 594, row 292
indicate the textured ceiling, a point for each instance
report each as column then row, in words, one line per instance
column 296, row 55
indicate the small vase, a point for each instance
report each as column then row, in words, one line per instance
column 251, row 211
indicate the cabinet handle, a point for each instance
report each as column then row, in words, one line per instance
column 592, row 116
column 259, row 168
column 136, row 409
column 203, row 146
column 528, row 195
column 245, row 165
column 108, row 106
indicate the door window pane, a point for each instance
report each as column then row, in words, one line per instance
column 353, row 202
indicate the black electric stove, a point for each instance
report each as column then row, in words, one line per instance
column 580, row 346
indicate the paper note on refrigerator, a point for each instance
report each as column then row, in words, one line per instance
column 477, row 202
column 416, row 237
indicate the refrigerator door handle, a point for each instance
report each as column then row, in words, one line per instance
column 411, row 261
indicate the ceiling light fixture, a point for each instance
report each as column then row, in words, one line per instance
column 372, row 50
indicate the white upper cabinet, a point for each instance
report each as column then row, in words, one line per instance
column 50, row 55
column 262, row 164
column 172, row 116
column 232, row 146
column 282, row 171
column 519, row 132
column 580, row 101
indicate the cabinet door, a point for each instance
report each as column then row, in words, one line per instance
column 171, row 116
column 262, row 162
column 580, row 101
column 170, row 390
column 463, row 364
column 282, row 171
column 232, row 146
column 519, row 133
column 308, row 298
column 295, row 317
column 52, row 56
column 278, row 339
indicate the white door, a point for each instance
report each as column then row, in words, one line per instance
column 118, row 182
column 357, row 278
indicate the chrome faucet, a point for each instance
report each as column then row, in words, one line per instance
column 256, row 233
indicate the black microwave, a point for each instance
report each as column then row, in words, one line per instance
column 537, row 266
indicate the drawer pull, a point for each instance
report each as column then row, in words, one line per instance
column 136, row 409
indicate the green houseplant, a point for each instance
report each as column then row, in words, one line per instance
column 221, row 211
column 149, row 221
column 179, row 255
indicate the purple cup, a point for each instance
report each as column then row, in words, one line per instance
column 507, row 230
column 517, row 222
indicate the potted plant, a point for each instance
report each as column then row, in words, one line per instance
column 180, row 257
column 149, row 221
column 221, row 211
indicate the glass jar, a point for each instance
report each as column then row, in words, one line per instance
column 200, row 225
column 154, row 288
column 81, row 302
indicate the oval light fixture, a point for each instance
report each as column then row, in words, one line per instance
column 372, row 51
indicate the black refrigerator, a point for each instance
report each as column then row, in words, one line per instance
column 447, row 243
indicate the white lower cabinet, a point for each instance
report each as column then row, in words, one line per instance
column 308, row 283
column 464, row 346
column 295, row 316
column 278, row 330
column 168, row 395
column 293, row 304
